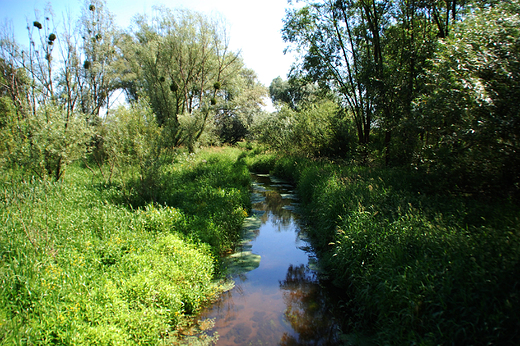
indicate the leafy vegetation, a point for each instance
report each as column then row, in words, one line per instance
column 399, row 123
column 424, row 84
column 78, row 266
column 184, row 65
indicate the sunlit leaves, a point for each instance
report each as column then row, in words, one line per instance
column 470, row 113
column 186, row 69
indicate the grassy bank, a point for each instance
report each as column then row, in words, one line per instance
column 418, row 262
column 83, row 263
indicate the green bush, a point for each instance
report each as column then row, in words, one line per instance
column 318, row 129
column 262, row 163
column 44, row 143
column 79, row 267
column 467, row 115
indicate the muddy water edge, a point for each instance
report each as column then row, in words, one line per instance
column 279, row 296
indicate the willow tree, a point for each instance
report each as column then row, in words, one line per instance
column 470, row 114
column 44, row 132
column 184, row 64
column 240, row 107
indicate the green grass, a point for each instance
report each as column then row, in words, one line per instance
column 418, row 264
column 78, row 265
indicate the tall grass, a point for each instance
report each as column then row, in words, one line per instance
column 418, row 263
column 78, row 266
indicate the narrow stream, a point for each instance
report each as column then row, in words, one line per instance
column 277, row 298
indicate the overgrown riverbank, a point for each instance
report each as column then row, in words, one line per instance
column 418, row 263
column 85, row 263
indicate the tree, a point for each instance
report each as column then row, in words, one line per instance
column 294, row 92
column 371, row 54
column 100, row 54
column 45, row 131
column 469, row 116
column 185, row 65
column 342, row 46
column 240, row 106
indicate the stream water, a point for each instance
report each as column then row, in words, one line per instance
column 278, row 298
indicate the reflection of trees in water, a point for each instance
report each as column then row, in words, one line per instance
column 274, row 204
column 307, row 311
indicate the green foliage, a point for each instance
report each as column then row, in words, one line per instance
column 260, row 163
column 128, row 138
column 294, row 92
column 318, row 129
column 196, row 130
column 7, row 136
column 46, row 142
column 188, row 52
column 428, row 84
column 236, row 116
column 468, row 117
column 416, row 265
column 76, row 268
column 323, row 32
column 213, row 189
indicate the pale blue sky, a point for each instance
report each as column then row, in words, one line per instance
column 254, row 26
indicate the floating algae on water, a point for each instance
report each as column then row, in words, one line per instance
column 244, row 260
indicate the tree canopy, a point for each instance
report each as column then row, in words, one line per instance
column 176, row 61
column 426, row 83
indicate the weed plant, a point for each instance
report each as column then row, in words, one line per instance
column 259, row 163
column 79, row 266
column 419, row 263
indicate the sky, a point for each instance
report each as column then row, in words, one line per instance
column 254, row 26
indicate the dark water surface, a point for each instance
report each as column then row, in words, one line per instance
column 280, row 300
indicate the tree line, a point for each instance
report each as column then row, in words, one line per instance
column 182, row 81
column 426, row 84
column 431, row 85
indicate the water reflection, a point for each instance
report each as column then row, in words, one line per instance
column 308, row 309
column 273, row 204
column 280, row 302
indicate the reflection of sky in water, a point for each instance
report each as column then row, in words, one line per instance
column 278, row 303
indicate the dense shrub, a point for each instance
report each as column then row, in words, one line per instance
column 318, row 129
column 78, row 266
column 468, row 115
